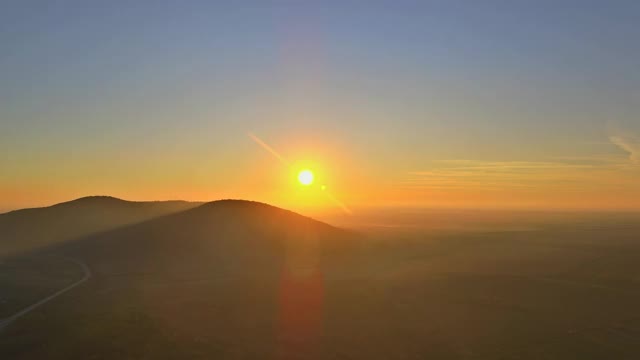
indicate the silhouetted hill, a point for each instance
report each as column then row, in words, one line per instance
column 227, row 269
column 31, row 229
column 218, row 236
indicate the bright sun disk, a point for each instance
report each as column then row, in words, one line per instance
column 305, row 177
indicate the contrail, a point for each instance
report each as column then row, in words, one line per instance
column 268, row 148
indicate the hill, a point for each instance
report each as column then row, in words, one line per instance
column 220, row 236
column 221, row 269
column 32, row 229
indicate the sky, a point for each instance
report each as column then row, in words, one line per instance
column 524, row 104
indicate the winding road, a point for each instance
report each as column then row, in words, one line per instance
column 87, row 274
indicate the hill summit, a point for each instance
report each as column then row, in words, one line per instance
column 36, row 228
column 218, row 236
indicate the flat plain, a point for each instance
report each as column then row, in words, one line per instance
column 198, row 285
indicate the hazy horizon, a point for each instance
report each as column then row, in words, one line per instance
column 432, row 220
column 445, row 104
column 330, row 209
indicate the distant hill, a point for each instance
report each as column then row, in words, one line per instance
column 31, row 229
column 219, row 236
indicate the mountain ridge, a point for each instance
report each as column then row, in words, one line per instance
column 30, row 229
column 97, row 199
column 221, row 236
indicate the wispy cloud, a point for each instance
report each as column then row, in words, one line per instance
column 522, row 176
column 610, row 179
column 467, row 174
column 628, row 143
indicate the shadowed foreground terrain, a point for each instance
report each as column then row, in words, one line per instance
column 29, row 229
column 244, row 280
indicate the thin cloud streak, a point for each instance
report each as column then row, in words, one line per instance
column 523, row 176
column 629, row 144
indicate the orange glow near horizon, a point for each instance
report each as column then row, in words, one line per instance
column 345, row 178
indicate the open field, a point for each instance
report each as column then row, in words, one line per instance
column 560, row 291
column 26, row 280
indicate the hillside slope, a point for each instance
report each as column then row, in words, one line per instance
column 32, row 229
column 219, row 236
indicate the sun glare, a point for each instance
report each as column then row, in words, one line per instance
column 305, row 177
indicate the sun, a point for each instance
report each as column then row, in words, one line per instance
column 305, row 177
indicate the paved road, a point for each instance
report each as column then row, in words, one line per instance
column 87, row 274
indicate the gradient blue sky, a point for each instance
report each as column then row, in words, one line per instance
column 153, row 99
